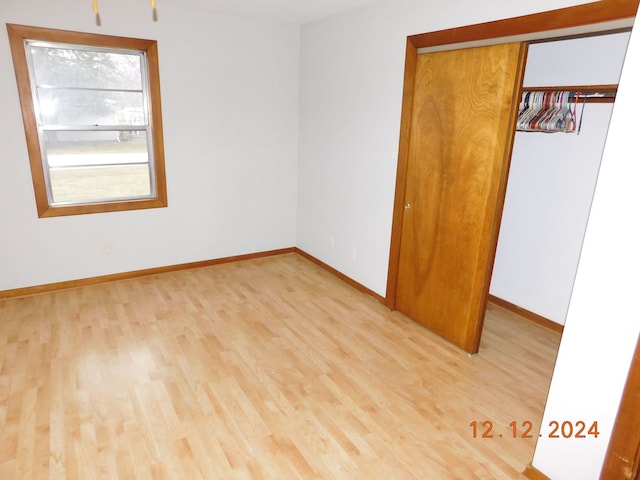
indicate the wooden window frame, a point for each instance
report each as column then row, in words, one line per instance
column 18, row 34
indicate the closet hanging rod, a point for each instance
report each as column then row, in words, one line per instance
column 590, row 93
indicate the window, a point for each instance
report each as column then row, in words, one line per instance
column 92, row 118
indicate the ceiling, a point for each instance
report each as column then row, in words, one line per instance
column 298, row 11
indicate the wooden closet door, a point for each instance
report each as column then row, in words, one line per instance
column 462, row 130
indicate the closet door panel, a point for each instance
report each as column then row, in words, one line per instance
column 462, row 130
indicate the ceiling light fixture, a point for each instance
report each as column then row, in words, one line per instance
column 96, row 11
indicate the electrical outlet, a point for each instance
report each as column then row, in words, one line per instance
column 332, row 242
column 106, row 248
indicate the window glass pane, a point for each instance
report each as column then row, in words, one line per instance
column 94, row 184
column 97, row 165
column 80, row 68
column 90, row 107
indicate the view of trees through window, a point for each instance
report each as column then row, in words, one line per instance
column 91, row 110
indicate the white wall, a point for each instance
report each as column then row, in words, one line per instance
column 551, row 180
column 230, row 107
column 352, row 69
column 603, row 321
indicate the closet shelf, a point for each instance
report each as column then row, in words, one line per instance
column 588, row 93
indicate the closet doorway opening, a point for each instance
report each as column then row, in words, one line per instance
column 552, row 176
column 605, row 17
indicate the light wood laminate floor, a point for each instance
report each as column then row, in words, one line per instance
column 262, row 369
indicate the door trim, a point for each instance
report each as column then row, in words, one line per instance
column 590, row 15
column 622, row 460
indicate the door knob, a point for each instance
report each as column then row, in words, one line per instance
column 407, row 207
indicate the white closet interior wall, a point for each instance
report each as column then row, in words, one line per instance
column 552, row 179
